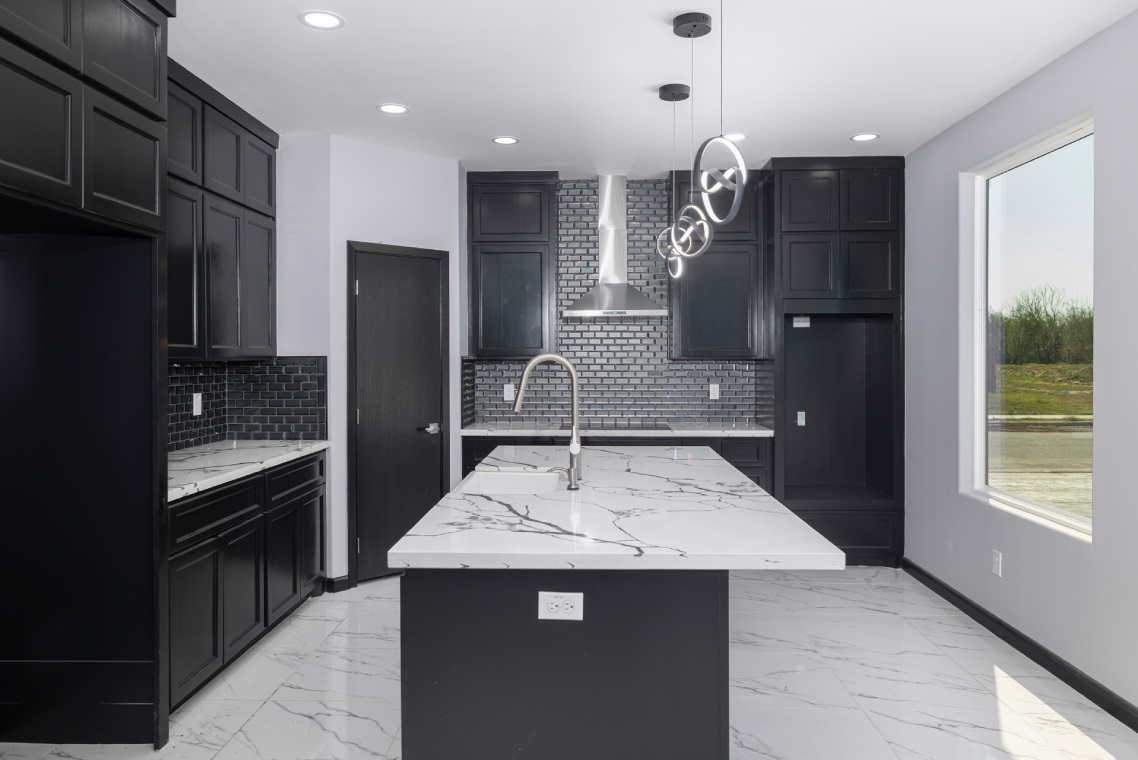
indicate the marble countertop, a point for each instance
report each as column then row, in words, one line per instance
column 200, row 468
column 691, row 429
column 639, row 508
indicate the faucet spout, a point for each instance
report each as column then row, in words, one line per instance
column 574, row 469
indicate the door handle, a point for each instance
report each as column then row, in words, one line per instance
column 432, row 429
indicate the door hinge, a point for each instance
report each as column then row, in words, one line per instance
column 357, row 287
column 357, row 416
column 357, row 545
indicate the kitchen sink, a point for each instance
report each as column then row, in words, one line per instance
column 509, row 483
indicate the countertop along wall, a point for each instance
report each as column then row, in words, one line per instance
column 1072, row 594
column 332, row 189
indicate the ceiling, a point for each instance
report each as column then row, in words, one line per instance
column 576, row 80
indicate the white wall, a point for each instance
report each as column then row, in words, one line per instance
column 1075, row 596
column 374, row 194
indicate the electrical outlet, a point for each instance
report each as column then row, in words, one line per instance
column 997, row 564
column 197, row 404
column 508, row 392
column 802, row 419
column 714, row 391
column 556, row 605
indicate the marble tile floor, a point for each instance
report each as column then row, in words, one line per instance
column 838, row 665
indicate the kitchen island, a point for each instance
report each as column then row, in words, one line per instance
column 647, row 542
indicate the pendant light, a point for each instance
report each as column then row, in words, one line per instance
column 711, row 181
column 690, row 234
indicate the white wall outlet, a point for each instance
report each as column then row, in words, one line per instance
column 556, row 605
column 197, row 404
column 802, row 419
column 997, row 564
column 713, row 390
column 509, row 393
column 801, row 321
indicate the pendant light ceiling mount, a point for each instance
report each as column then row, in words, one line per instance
column 691, row 25
column 674, row 93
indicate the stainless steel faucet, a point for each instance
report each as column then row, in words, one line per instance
column 574, row 470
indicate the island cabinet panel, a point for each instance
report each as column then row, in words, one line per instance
column 282, row 553
column 184, row 123
column 185, row 263
column 718, row 304
column 124, row 50
column 196, row 649
column 643, row 675
column 243, row 584
column 41, row 148
column 53, row 27
column 124, row 163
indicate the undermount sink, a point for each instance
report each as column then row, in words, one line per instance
column 491, row 483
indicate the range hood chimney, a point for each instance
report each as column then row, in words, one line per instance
column 612, row 296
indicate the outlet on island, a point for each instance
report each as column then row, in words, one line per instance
column 555, row 605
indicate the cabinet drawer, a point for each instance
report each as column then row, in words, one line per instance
column 51, row 26
column 196, row 518
column 124, row 162
column 41, row 141
column 287, row 480
column 750, row 451
column 124, row 49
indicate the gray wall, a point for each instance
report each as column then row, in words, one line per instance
column 626, row 376
column 1072, row 593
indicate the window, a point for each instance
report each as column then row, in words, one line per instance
column 1038, row 368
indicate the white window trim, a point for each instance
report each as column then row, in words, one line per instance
column 973, row 325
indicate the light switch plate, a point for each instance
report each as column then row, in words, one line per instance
column 197, row 404
column 714, row 391
column 508, row 392
column 557, row 605
column 802, row 419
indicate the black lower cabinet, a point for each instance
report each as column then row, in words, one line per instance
column 282, row 567
column 243, row 562
column 313, row 568
column 196, row 650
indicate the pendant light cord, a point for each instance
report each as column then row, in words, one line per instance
column 721, row 25
column 691, row 144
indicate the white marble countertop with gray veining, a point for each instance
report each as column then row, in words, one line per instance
column 639, row 508
column 200, row 468
column 691, row 429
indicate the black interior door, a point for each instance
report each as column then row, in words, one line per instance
column 399, row 341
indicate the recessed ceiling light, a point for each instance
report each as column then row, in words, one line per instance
column 394, row 108
column 864, row 137
column 736, row 137
column 505, row 140
column 321, row 20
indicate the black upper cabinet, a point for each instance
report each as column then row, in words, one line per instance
column 224, row 161
column 513, row 267
column 871, row 264
column 745, row 225
column 51, row 26
column 810, row 266
column 810, row 201
column 871, row 199
column 718, row 305
column 184, row 123
column 124, row 50
column 260, row 174
column 41, row 145
column 124, row 162
column 185, row 263
column 258, row 286
column 511, row 212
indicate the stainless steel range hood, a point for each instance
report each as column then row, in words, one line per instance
column 612, row 296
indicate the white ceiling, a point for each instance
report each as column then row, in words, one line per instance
column 576, row 80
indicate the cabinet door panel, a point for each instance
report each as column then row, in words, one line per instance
column 871, row 264
column 184, row 123
column 512, row 292
column 40, row 142
column 744, row 227
column 224, row 146
column 810, row 201
column 224, row 223
column 718, row 304
column 258, row 286
column 282, row 547
column 871, row 199
column 312, row 517
column 260, row 176
column 52, row 26
column 511, row 212
column 810, row 266
column 124, row 162
column 243, row 562
column 195, row 618
column 124, row 49
column 185, row 257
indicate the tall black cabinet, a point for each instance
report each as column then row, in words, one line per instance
column 835, row 235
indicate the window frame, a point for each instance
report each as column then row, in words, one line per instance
column 974, row 325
